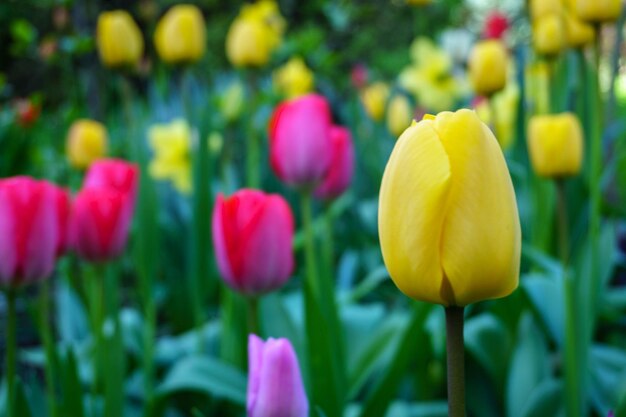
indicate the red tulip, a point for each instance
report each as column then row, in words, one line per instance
column 115, row 174
column 339, row 176
column 99, row 223
column 495, row 26
column 300, row 144
column 252, row 236
column 62, row 199
column 28, row 230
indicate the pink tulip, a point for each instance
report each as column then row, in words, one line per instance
column 274, row 382
column 252, row 236
column 300, row 144
column 62, row 198
column 99, row 223
column 339, row 176
column 115, row 174
column 28, row 230
column 496, row 26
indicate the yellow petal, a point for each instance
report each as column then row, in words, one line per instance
column 411, row 212
column 555, row 144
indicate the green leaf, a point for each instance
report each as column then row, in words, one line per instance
column 71, row 316
column 545, row 400
column 489, row 342
column 607, row 367
column 546, row 295
column 71, row 387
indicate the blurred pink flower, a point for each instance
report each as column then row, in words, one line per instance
column 495, row 26
column 339, row 176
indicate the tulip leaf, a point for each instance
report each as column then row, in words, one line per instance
column 546, row 295
column 607, row 366
column 71, row 321
column 489, row 342
column 545, row 400
column 72, row 391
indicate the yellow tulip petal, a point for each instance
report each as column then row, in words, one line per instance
column 481, row 241
column 411, row 207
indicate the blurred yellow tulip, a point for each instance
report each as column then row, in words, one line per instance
column 597, row 11
column 448, row 221
column 549, row 34
column 578, row 32
column 488, row 65
column 171, row 143
column 294, row 78
column 399, row 114
column 555, row 144
column 537, row 89
column 180, row 35
column 119, row 39
column 374, row 98
column 540, row 8
column 231, row 101
column 86, row 142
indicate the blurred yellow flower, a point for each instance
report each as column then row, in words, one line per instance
column 180, row 35
column 171, row 144
column 294, row 78
column 86, row 142
column 549, row 34
column 399, row 114
column 119, row 39
column 231, row 101
column 578, row 32
column 488, row 65
column 254, row 34
column 374, row 98
column 506, row 104
column 429, row 78
column 540, row 8
column 597, row 10
column 537, row 90
column 555, row 144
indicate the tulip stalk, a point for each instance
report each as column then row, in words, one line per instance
column 11, row 351
column 455, row 352
column 252, row 139
column 48, row 342
column 96, row 309
column 253, row 315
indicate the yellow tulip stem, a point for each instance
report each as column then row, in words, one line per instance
column 11, row 351
column 562, row 219
column 48, row 342
column 455, row 352
column 253, row 315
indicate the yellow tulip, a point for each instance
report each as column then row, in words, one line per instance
column 488, row 64
column 579, row 33
column 399, row 114
column 597, row 11
column 548, row 34
column 540, row 8
column 119, row 39
column 180, row 35
column 268, row 12
column 448, row 221
column 555, row 144
column 171, row 144
column 537, row 75
column 86, row 142
column 294, row 78
column 374, row 98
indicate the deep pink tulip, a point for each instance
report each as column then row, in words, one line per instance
column 274, row 382
column 28, row 230
column 99, row 223
column 339, row 176
column 115, row 174
column 300, row 144
column 252, row 236
column 495, row 26
column 63, row 205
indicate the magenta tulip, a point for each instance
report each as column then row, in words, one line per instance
column 28, row 230
column 63, row 205
column 339, row 176
column 99, row 223
column 115, row 174
column 274, row 382
column 300, row 144
column 252, row 236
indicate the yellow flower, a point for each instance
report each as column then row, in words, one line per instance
column 399, row 114
column 579, row 33
column 294, row 78
column 231, row 101
column 597, row 10
column 171, row 144
column 448, row 220
column 540, row 8
column 374, row 98
column 537, row 86
column 180, row 35
column 254, row 34
column 548, row 34
column 119, row 39
column 488, row 64
column 86, row 142
column 555, row 144
column 506, row 103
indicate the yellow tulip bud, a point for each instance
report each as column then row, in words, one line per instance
column 448, row 221
column 374, row 97
column 180, row 35
column 548, row 34
column 119, row 39
column 555, row 144
column 597, row 11
column 488, row 64
column 399, row 114
column 541, row 8
column 579, row 33
column 86, row 142
column 294, row 78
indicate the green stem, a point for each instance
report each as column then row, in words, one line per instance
column 253, row 315
column 562, row 218
column 252, row 139
column 456, row 361
column 328, row 247
column 96, row 307
column 306, row 204
column 11, row 359
column 48, row 342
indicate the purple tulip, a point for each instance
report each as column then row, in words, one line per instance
column 274, row 382
column 28, row 230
